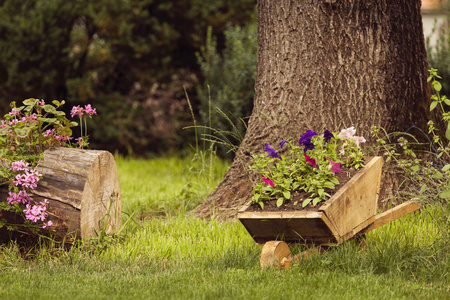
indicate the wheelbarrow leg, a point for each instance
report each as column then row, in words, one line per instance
column 274, row 253
column 278, row 254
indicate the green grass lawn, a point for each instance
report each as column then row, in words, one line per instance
column 164, row 254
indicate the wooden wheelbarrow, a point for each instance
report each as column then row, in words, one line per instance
column 349, row 213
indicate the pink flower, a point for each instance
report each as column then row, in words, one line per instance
column 89, row 110
column 79, row 141
column 28, row 180
column 14, row 112
column 36, row 212
column 310, row 160
column 19, row 165
column 334, row 167
column 48, row 224
column 20, row 198
column 268, row 181
column 76, row 111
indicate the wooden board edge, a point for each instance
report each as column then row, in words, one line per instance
column 375, row 160
column 280, row 215
column 393, row 214
column 333, row 229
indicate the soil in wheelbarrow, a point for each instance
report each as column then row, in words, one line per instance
column 297, row 197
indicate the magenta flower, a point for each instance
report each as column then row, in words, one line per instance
column 271, row 152
column 334, row 167
column 268, row 181
column 305, row 140
column 310, row 160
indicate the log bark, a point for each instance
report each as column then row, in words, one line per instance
column 329, row 65
column 83, row 190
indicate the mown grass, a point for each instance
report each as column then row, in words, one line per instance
column 180, row 257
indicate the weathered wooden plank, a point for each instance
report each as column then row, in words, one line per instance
column 356, row 202
column 392, row 214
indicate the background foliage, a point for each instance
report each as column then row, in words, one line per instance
column 129, row 58
column 226, row 95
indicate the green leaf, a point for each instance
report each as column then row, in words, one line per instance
column 445, row 194
column 256, row 197
column 329, row 185
column 320, row 192
column 447, row 132
column 30, row 101
column 423, row 188
column 316, row 201
column 50, row 108
column 437, row 86
column 295, row 202
column 447, row 101
column 334, row 180
column 446, row 168
column 306, row 202
column 261, row 204
column 280, row 202
column 433, row 105
column 415, row 169
column 287, row 195
column 437, row 175
column 49, row 120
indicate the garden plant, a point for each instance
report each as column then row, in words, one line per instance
column 310, row 166
column 25, row 133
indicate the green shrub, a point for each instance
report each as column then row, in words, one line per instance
column 101, row 51
column 226, row 95
column 439, row 54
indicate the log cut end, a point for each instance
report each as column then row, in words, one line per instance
column 83, row 190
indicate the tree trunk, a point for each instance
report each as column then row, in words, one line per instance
column 329, row 64
column 83, row 191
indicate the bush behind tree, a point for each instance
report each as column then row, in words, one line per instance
column 226, row 95
column 112, row 54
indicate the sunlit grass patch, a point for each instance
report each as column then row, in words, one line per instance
column 166, row 186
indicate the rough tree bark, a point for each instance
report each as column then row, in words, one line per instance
column 329, row 64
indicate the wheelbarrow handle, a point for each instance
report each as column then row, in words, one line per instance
column 392, row 214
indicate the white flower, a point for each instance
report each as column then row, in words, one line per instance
column 347, row 133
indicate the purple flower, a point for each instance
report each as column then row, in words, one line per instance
column 271, row 152
column 248, row 154
column 327, row 136
column 282, row 142
column 305, row 140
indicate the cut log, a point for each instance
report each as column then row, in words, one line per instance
column 83, row 191
column 273, row 253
